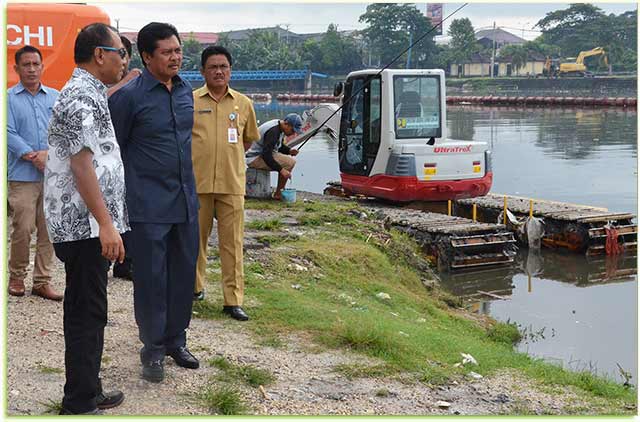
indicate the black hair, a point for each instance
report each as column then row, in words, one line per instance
column 126, row 43
column 151, row 33
column 27, row 49
column 90, row 37
column 212, row 50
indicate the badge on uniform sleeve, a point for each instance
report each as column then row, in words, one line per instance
column 232, row 136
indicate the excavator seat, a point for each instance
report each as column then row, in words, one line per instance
column 409, row 105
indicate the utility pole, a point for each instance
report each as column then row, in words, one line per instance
column 118, row 24
column 493, row 53
column 409, row 52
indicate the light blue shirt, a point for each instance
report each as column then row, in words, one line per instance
column 27, row 124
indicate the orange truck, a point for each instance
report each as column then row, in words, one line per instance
column 51, row 28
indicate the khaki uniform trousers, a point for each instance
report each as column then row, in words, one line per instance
column 27, row 215
column 228, row 210
column 285, row 161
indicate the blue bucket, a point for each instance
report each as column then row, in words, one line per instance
column 289, row 195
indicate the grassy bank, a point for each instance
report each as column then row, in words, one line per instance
column 342, row 279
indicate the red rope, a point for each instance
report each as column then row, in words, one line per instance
column 612, row 247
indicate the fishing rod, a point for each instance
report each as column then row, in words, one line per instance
column 364, row 85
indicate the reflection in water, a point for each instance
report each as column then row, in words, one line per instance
column 573, row 310
column 584, row 156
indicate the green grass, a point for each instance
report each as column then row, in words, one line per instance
column 268, row 225
column 207, row 310
column 50, row 370
column 341, row 310
column 506, row 333
column 52, row 406
column 383, row 392
column 248, row 374
column 224, row 400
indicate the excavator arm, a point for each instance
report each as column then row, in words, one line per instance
column 594, row 52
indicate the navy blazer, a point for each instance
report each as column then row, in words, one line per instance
column 153, row 127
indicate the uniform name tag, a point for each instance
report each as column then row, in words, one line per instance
column 207, row 110
column 232, row 136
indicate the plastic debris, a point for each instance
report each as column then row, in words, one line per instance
column 475, row 375
column 467, row 358
column 443, row 404
column 534, row 228
column 383, row 296
column 402, row 333
column 298, row 267
column 296, row 286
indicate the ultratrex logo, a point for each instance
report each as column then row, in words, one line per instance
column 448, row 150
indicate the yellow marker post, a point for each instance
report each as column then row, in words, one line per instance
column 504, row 217
column 529, row 275
column 530, row 207
column 474, row 212
column 449, row 207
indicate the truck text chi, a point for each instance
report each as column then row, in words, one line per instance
column 393, row 140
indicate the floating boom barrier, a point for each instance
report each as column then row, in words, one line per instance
column 545, row 101
column 493, row 100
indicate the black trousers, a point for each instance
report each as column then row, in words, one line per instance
column 128, row 262
column 85, row 316
column 164, row 273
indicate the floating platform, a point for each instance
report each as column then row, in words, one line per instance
column 455, row 243
column 578, row 228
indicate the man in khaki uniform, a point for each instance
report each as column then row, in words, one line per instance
column 224, row 128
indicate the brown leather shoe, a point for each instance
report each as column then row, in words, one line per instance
column 16, row 287
column 45, row 291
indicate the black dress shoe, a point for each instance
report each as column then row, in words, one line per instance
column 110, row 399
column 198, row 296
column 184, row 358
column 235, row 312
column 153, row 371
column 95, row 411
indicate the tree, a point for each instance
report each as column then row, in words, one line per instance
column 463, row 40
column 582, row 27
column 338, row 54
column 517, row 54
column 265, row 51
column 390, row 26
column 191, row 53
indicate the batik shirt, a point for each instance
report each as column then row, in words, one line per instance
column 81, row 119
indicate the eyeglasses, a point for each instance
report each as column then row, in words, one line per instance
column 121, row 51
column 222, row 67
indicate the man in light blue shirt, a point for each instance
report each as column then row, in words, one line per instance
column 29, row 109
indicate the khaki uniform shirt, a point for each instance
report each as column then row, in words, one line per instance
column 218, row 165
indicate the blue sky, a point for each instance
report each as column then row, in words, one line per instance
column 315, row 17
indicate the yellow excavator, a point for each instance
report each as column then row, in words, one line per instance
column 578, row 67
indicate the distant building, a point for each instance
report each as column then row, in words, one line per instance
column 204, row 38
column 244, row 34
column 480, row 65
column 501, row 37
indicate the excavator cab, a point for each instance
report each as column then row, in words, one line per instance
column 392, row 139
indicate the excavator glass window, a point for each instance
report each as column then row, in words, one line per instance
column 360, row 125
column 417, row 106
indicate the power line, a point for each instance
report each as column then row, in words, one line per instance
column 368, row 81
